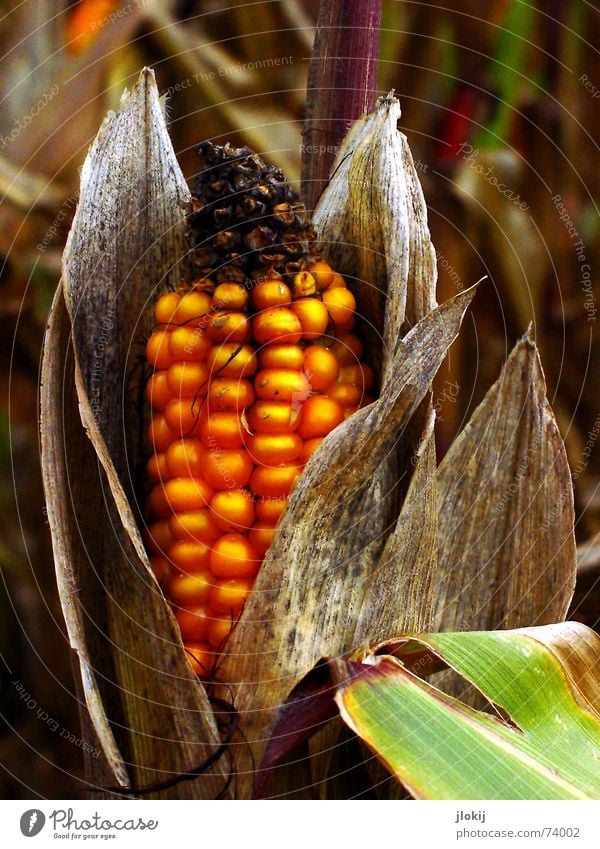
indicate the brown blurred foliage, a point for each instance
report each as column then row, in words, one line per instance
column 500, row 105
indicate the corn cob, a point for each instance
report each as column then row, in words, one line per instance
column 250, row 375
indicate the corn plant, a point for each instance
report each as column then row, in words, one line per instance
column 284, row 625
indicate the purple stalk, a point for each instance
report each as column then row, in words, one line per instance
column 342, row 84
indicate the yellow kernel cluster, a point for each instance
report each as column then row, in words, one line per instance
column 245, row 387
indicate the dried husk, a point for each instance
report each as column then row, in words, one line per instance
column 506, row 554
column 372, row 225
column 359, row 556
column 147, row 708
column 312, row 597
column 506, row 525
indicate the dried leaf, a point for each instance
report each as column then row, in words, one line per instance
column 409, row 560
column 316, row 579
column 61, row 428
column 125, row 242
column 372, row 222
column 576, row 648
column 125, row 245
column 506, row 539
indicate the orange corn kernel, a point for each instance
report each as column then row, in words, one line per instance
column 278, row 324
column 281, row 356
column 272, row 449
column 157, row 468
column 157, row 505
column 230, row 469
column 230, row 296
column 157, row 390
column 233, row 509
column 193, row 623
column 340, row 303
column 218, row 631
column 188, row 379
column 221, row 429
column 276, row 481
column 228, row 327
column 337, row 281
column 158, row 349
column 201, row 658
column 304, row 284
column 319, row 416
column 313, row 316
column 261, row 536
column 198, row 525
column 358, row 375
column 321, row 367
column 345, row 327
column 279, row 384
column 189, row 344
column 228, row 595
column 345, row 394
column 161, row 568
column 347, row 349
column 184, row 458
column 231, row 360
column 189, row 556
column 270, row 510
column 166, row 307
column 183, row 416
column 271, row 293
column 159, row 537
column 185, row 494
column 273, row 417
column 192, row 308
column 233, row 556
column 226, row 393
column 189, row 589
column 309, row 447
column 323, row 273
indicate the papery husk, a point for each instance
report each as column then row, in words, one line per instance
column 506, row 525
column 507, row 556
column 312, row 597
column 371, row 221
column 365, row 549
column 151, row 715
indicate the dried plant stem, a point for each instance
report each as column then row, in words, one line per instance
column 342, row 84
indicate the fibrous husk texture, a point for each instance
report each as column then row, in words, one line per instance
column 376, row 540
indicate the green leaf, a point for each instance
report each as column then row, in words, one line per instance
column 440, row 748
column 507, row 71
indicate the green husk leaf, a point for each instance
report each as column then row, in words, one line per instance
column 440, row 748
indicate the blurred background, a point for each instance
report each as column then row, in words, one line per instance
column 500, row 103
